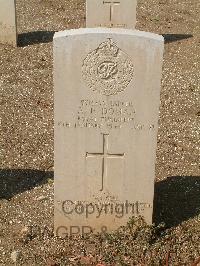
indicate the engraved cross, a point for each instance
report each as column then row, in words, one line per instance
column 105, row 155
column 112, row 4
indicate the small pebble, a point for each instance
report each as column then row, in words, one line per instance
column 41, row 198
column 15, row 255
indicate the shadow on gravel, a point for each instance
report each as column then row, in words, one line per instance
column 35, row 37
column 15, row 181
column 176, row 37
column 176, row 200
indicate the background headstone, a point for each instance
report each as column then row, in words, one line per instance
column 8, row 28
column 111, row 13
column 107, row 95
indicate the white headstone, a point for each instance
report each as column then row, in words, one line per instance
column 8, row 29
column 107, row 95
column 111, row 13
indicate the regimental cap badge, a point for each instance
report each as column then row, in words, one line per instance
column 107, row 69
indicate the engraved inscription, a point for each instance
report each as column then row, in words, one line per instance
column 99, row 114
column 105, row 155
column 136, row 127
column 106, row 115
column 111, row 25
column 113, row 114
column 107, row 69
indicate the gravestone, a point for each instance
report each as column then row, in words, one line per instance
column 8, row 29
column 107, row 95
column 111, row 13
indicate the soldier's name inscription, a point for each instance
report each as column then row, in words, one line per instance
column 102, row 114
column 111, row 114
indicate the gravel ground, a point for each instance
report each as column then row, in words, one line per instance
column 26, row 192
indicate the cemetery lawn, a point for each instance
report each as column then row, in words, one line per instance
column 26, row 191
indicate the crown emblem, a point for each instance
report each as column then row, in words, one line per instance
column 107, row 69
column 108, row 48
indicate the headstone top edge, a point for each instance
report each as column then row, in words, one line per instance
column 99, row 30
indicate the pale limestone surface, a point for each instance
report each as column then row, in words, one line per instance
column 107, row 95
column 8, row 28
column 111, row 13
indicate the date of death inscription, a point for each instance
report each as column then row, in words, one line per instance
column 103, row 114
